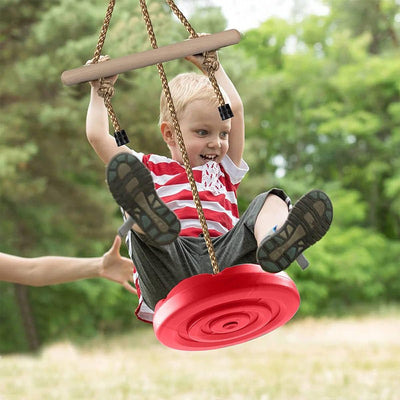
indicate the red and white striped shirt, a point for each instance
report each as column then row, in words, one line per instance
column 217, row 186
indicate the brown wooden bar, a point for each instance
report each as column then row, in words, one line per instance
column 150, row 57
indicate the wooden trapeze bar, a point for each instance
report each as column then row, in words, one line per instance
column 150, row 57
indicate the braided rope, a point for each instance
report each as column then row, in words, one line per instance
column 182, row 18
column 103, row 31
column 106, row 90
column 181, row 142
column 210, row 63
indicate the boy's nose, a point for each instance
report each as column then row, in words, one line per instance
column 214, row 142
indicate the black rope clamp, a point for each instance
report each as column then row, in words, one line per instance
column 121, row 137
column 225, row 112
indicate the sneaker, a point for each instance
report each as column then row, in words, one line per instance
column 307, row 222
column 132, row 187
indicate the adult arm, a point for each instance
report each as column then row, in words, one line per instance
column 50, row 270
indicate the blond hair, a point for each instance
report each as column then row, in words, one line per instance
column 186, row 88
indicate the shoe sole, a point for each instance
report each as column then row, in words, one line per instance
column 308, row 221
column 132, row 187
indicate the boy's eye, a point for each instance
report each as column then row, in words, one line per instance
column 224, row 135
column 202, row 132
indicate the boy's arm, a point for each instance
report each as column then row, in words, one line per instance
column 97, row 127
column 237, row 134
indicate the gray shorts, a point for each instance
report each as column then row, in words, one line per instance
column 162, row 268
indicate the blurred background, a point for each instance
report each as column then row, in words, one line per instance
column 320, row 82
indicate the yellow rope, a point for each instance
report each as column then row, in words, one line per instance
column 106, row 90
column 103, row 31
column 181, row 143
column 182, row 18
column 210, row 57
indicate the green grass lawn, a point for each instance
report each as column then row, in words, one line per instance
column 350, row 358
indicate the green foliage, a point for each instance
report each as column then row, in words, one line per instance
column 352, row 265
column 11, row 334
column 377, row 18
column 322, row 111
column 84, row 308
column 75, row 310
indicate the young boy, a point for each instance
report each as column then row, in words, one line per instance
column 155, row 192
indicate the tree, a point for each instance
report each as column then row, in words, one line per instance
column 323, row 112
column 373, row 17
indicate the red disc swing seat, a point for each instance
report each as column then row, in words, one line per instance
column 210, row 311
column 205, row 311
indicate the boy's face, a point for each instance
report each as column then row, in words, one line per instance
column 205, row 135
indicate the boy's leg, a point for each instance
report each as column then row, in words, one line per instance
column 273, row 214
column 133, row 189
column 281, row 240
column 239, row 244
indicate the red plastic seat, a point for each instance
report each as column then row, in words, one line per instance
column 209, row 311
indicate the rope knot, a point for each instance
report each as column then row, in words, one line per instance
column 106, row 89
column 211, row 62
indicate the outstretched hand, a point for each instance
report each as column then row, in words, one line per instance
column 116, row 268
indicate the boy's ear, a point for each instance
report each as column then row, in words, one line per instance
column 167, row 133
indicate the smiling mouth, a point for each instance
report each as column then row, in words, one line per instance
column 209, row 157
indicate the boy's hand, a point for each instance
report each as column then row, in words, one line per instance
column 96, row 83
column 198, row 59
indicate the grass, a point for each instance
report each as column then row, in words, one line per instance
column 355, row 358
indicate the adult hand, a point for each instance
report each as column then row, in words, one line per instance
column 116, row 268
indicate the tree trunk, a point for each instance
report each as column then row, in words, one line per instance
column 21, row 294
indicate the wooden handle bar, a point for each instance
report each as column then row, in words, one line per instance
column 150, row 57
